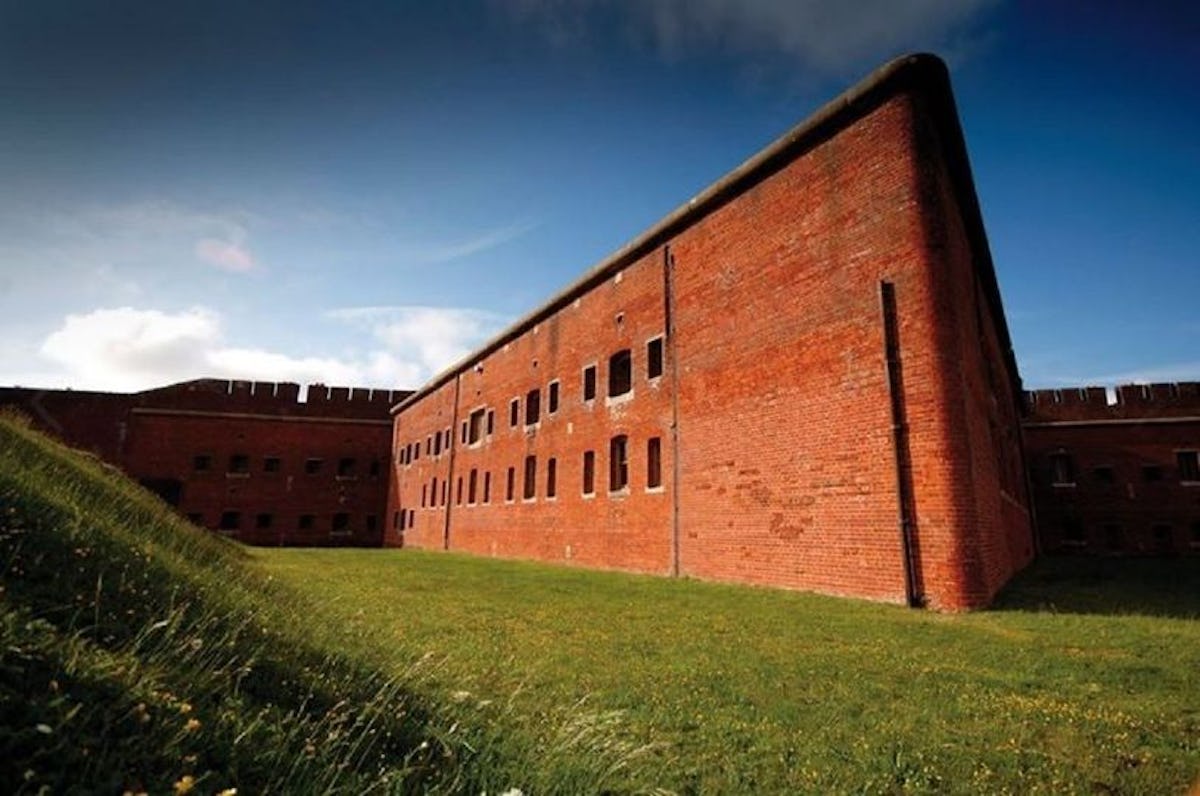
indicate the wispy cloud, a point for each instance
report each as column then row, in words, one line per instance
column 1153, row 374
column 226, row 255
column 828, row 37
column 433, row 338
column 432, row 253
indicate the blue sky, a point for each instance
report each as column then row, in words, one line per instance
column 361, row 192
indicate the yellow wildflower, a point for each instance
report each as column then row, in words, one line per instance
column 192, row 725
column 185, row 784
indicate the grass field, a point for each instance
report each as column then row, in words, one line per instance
column 138, row 653
column 1086, row 679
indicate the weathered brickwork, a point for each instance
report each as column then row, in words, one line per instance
column 249, row 460
column 1116, row 473
column 780, row 462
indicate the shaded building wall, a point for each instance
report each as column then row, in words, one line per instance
column 776, row 409
column 1116, row 478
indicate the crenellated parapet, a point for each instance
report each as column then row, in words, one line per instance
column 267, row 397
column 1125, row 402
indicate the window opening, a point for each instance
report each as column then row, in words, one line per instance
column 471, row 486
column 1189, row 465
column 272, row 464
column 230, row 520
column 341, row 523
column 533, row 407
column 530, row 477
column 510, row 488
column 552, row 398
column 653, row 462
column 589, row 472
column 239, row 463
column 618, row 463
column 1062, row 469
column 487, row 486
column 514, row 412
column 654, row 358
column 620, row 373
column 551, row 477
column 201, row 462
column 346, row 467
column 307, row 521
column 312, row 466
column 589, row 383
column 262, row 521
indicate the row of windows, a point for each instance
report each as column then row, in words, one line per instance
column 477, row 488
column 482, row 421
column 1062, row 469
column 239, row 464
column 232, row 521
column 1113, row 536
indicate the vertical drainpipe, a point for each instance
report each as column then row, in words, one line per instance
column 449, row 487
column 673, row 364
column 904, row 487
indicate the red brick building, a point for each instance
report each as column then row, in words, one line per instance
column 1116, row 473
column 801, row 378
column 247, row 459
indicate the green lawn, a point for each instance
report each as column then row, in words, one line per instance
column 743, row 689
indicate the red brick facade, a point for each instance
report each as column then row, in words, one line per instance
column 1119, row 476
column 246, row 459
column 837, row 403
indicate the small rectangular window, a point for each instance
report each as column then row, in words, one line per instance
column 424, row 487
column 487, row 486
column 370, row 523
column 271, row 464
column 262, row 521
column 618, row 463
column 458, row 492
column 514, row 412
column 201, row 462
column 533, row 407
column 620, row 373
column 472, row 484
column 239, row 463
column 653, row 462
column 429, row 445
column 1103, row 474
column 374, row 470
column 551, row 477
column 399, row 519
column 462, row 434
column 589, row 382
column 1152, row 472
column 510, row 488
column 1062, row 469
column 1164, row 541
column 312, row 466
column 230, row 520
column 491, row 421
column 530, row 477
column 1189, row 466
column 412, row 518
column 446, row 491
column 552, row 398
column 654, row 358
column 341, row 523
column 589, row 472
column 437, row 444
column 346, row 467
column 446, row 441
column 433, row 492
column 307, row 521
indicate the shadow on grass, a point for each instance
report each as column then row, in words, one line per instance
column 1166, row 587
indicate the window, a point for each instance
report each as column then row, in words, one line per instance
column 271, row 464
column 412, row 518
column 551, row 477
column 262, row 521
column 458, row 493
column 196, row 518
column 475, row 426
column 620, row 373
column 654, row 358
column 230, row 520
column 589, row 383
column 437, row 444
column 433, row 493
column 589, row 472
column 239, row 463
column 1103, row 474
column 472, row 485
column 1194, row 542
column 491, row 421
column 1163, row 543
column 345, row 468
column 371, row 523
column 398, row 519
column 487, row 486
column 374, row 471
column 429, row 445
column 446, row 441
column 509, row 489
column 307, row 522
column 201, row 462
column 312, row 466
column 1189, row 466
column 530, row 478
column 1072, row 533
column 514, row 412
column 618, row 463
column 1152, row 472
column 423, row 488
column 416, row 454
column 552, row 398
column 533, row 407
column 1062, row 469
column 445, row 491
column 341, row 523
column 653, row 462
column 1114, row 538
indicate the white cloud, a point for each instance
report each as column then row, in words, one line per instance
column 826, row 36
column 127, row 349
column 225, row 255
column 1154, row 374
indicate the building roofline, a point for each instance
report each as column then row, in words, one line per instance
column 923, row 71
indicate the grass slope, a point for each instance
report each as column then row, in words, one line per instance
column 138, row 653
column 756, row 690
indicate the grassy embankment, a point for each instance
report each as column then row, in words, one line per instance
column 138, row 653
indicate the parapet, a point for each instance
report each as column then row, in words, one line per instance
column 1125, row 402
column 268, row 397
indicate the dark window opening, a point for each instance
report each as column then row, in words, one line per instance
column 487, row 486
column 458, row 493
column 654, row 358
column 371, row 523
column 551, row 477
column 423, row 488
column 239, row 463
column 491, row 421
column 530, row 477
column 1152, row 472
column 437, row 444
column 475, row 425
column 201, row 462
column 514, row 412
column 446, row 491
column 272, row 464
column 262, row 521
column 1195, row 541
column 618, row 463
column 552, row 398
column 429, row 445
column 1189, row 465
column 399, row 520
column 1104, row 474
column 341, row 523
column 509, row 490
column 462, row 435
column 472, row 486
column 589, row 382
column 1062, row 469
column 653, row 462
column 1163, row 541
column 1114, row 538
column 433, row 493
column 446, row 441
column 312, row 466
column 620, row 373
column 589, row 472
column 230, row 520
column 1072, row 532
column 346, row 468
column 374, row 470
column 412, row 518
column 196, row 518
column 533, row 407
column 307, row 522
